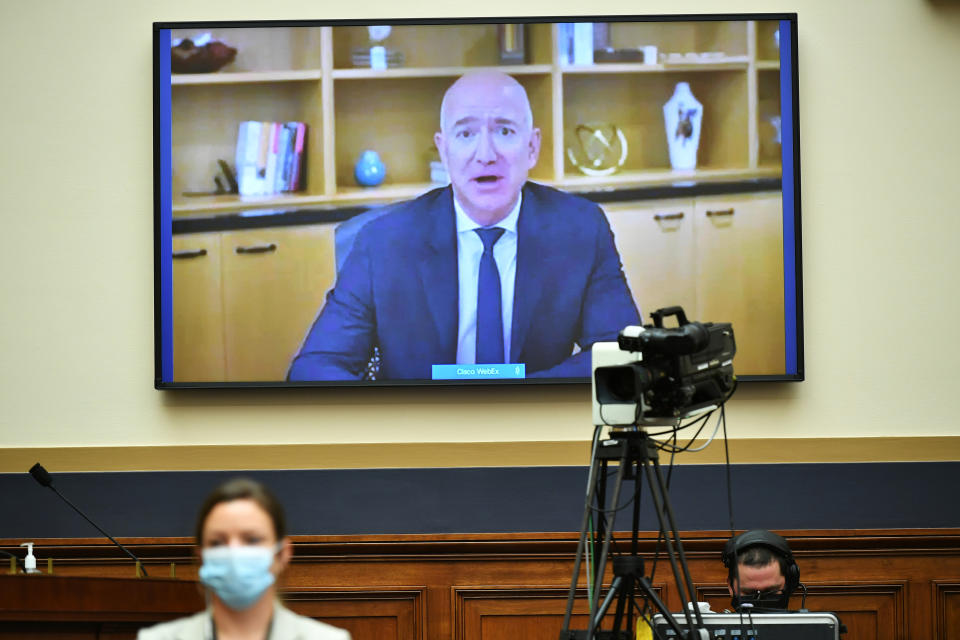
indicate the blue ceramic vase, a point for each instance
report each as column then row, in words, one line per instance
column 369, row 170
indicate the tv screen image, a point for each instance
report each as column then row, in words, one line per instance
column 320, row 220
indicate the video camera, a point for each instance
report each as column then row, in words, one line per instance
column 658, row 375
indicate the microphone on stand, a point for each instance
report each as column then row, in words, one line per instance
column 42, row 476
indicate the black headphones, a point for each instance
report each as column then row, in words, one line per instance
column 736, row 545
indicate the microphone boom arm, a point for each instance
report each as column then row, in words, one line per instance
column 43, row 477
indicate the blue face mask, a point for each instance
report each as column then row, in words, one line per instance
column 238, row 575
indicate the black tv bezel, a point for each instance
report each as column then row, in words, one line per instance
column 159, row 230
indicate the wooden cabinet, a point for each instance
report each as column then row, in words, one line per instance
column 274, row 283
column 198, row 349
column 720, row 258
column 307, row 74
column 739, row 249
column 656, row 246
column 242, row 308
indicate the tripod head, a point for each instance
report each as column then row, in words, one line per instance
column 628, row 567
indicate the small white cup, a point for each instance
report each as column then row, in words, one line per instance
column 650, row 54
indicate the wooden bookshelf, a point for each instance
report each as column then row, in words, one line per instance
column 307, row 74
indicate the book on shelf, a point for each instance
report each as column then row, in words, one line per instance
column 298, row 157
column 577, row 41
column 248, row 142
column 263, row 151
column 270, row 168
column 286, row 158
column 269, row 157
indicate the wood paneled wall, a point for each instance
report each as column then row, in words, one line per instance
column 883, row 584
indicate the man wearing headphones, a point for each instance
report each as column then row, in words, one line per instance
column 761, row 571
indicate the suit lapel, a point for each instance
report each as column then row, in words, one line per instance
column 437, row 268
column 531, row 233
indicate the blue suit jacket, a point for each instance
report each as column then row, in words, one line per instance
column 398, row 289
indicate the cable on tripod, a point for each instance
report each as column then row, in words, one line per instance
column 726, row 453
column 679, row 426
column 686, row 447
column 672, row 448
column 588, row 556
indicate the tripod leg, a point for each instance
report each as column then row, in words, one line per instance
column 616, row 587
column 624, row 601
column 600, row 522
column 659, row 605
column 667, row 536
column 661, row 505
column 582, row 542
column 608, row 534
column 634, row 540
column 668, row 509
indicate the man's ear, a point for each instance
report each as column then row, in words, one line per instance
column 438, row 141
column 730, row 587
column 534, row 147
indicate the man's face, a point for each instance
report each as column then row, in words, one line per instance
column 487, row 144
column 766, row 579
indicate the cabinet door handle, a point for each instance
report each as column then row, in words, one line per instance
column 190, row 253
column 257, row 248
column 720, row 212
column 668, row 216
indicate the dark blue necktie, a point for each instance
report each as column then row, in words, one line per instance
column 489, row 314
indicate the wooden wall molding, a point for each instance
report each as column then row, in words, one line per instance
column 411, row 455
column 368, row 611
column 518, row 611
column 482, row 613
column 868, row 609
column 946, row 602
column 883, row 584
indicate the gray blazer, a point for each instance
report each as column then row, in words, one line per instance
column 286, row 626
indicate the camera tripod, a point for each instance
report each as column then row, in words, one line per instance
column 637, row 455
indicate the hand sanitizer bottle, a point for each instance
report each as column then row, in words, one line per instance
column 30, row 561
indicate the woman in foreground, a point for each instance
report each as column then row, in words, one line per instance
column 241, row 533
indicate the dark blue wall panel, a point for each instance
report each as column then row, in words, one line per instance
column 491, row 500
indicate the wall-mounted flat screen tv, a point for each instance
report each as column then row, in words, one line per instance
column 452, row 201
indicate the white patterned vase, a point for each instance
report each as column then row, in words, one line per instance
column 682, row 117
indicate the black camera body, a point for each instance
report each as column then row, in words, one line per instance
column 679, row 371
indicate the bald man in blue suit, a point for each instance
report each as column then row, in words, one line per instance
column 409, row 284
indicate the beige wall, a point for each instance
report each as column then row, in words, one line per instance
column 880, row 146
